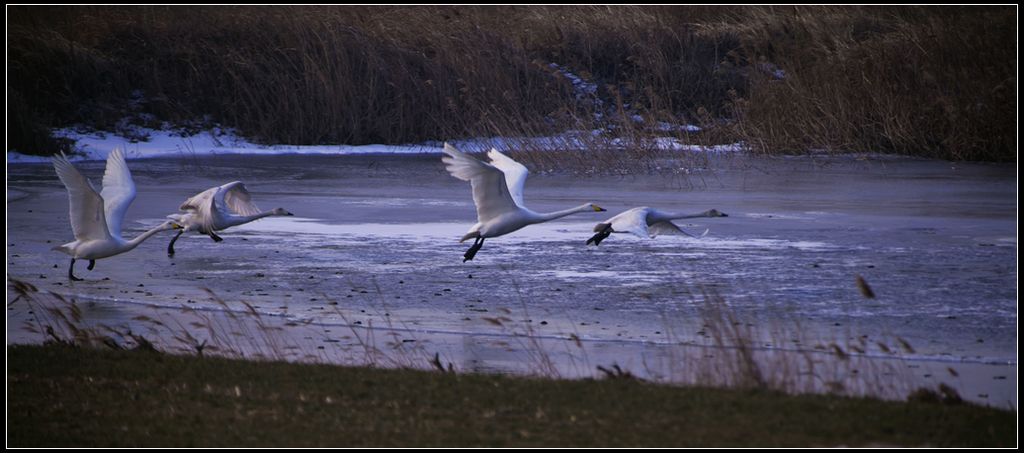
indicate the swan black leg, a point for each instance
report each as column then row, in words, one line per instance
column 71, row 272
column 170, row 247
column 600, row 236
column 215, row 237
column 472, row 250
column 92, row 264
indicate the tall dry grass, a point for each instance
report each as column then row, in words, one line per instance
column 783, row 355
column 735, row 352
column 930, row 81
column 232, row 329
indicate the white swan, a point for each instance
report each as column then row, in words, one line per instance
column 96, row 218
column 218, row 208
column 498, row 195
column 647, row 222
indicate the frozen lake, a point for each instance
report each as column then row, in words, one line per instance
column 373, row 248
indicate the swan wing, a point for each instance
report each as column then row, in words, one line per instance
column 199, row 209
column 667, row 228
column 118, row 191
column 632, row 221
column 237, row 199
column 515, row 174
column 88, row 221
column 490, row 191
column 199, row 199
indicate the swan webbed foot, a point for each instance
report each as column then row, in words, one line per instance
column 600, row 236
column 215, row 237
column 92, row 264
column 170, row 247
column 472, row 250
column 71, row 272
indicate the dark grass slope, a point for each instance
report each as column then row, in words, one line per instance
column 63, row 396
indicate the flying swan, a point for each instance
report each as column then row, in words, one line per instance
column 218, row 208
column 498, row 195
column 647, row 222
column 96, row 218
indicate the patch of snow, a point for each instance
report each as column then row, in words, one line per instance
column 673, row 144
column 167, row 143
column 95, row 145
column 773, row 70
column 581, row 87
column 668, row 127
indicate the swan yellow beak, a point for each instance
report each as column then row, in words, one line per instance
column 175, row 226
column 599, row 209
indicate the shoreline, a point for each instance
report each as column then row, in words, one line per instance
column 286, row 318
column 518, row 351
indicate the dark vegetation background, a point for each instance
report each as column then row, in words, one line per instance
column 931, row 81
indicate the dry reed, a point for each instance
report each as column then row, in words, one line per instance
column 927, row 81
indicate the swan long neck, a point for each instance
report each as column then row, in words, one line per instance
column 241, row 220
column 678, row 215
column 250, row 218
column 142, row 237
column 544, row 217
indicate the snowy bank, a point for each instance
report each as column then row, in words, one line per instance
column 167, row 143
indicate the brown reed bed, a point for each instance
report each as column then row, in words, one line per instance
column 926, row 81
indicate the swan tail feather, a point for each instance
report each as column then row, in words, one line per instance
column 64, row 248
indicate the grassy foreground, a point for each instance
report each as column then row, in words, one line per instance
column 63, row 396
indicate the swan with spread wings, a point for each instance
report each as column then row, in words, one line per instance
column 96, row 218
column 218, row 208
column 498, row 195
column 647, row 222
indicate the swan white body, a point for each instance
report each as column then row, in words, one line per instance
column 647, row 223
column 96, row 218
column 498, row 195
column 218, row 208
